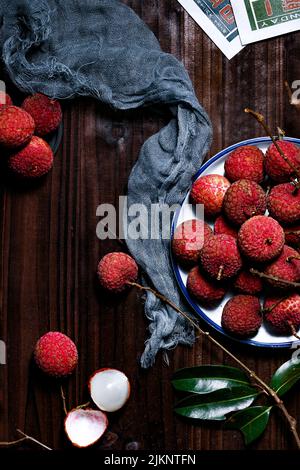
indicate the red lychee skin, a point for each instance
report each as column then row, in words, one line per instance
column 276, row 167
column 115, row 270
column 292, row 235
column 5, row 99
column 261, row 239
column 209, row 190
column 248, row 283
column 16, row 127
column 245, row 162
column 188, row 240
column 205, row 291
column 243, row 200
column 46, row 112
column 284, row 316
column 56, row 354
column 222, row 226
column 220, row 257
column 241, row 316
column 284, row 203
column 282, row 267
column 33, row 161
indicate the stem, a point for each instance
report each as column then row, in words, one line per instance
column 291, row 421
column 293, row 330
column 289, row 258
column 295, row 285
column 84, row 405
column 63, row 397
column 13, row 443
column 25, row 436
column 261, row 120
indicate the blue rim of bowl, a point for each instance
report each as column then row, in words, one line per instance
column 197, row 309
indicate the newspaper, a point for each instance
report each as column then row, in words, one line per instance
column 216, row 18
column 263, row 19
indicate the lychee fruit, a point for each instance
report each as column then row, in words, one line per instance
column 205, row 291
column 243, row 200
column 220, row 257
column 248, row 283
column 56, row 354
column 209, row 190
column 261, row 239
column 283, row 314
column 246, row 162
column 5, row 99
column 46, row 112
column 84, row 427
column 223, row 226
column 188, row 241
column 285, row 267
column 116, row 270
column 276, row 167
column 109, row 389
column 241, row 316
column 32, row 161
column 284, row 203
column 292, row 235
column 16, row 126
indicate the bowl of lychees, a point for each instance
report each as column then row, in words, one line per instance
column 235, row 244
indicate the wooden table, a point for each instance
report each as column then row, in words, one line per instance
column 49, row 250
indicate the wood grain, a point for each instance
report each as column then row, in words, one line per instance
column 49, row 250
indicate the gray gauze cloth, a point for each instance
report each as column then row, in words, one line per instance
column 101, row 48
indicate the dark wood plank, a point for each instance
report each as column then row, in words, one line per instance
column 49, row 249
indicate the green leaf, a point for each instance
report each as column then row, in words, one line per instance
column 251, row 422
column 206, row 379
column 216, row 405
column 286, row 376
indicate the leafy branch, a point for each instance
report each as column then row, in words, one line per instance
column 236, row 398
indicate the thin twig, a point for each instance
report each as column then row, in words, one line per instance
column 259, row 117
column 262, row 275
column 63, row 397
column 293, row 330
column 13, row 443
column 25, row 436
column 290, row 420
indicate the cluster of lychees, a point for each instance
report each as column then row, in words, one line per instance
column 249, row 250
column 21, row 132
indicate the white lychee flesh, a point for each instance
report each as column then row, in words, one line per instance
column 109, row 389
column 85, row 427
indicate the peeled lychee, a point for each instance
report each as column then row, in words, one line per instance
column 261, row 238
column 84, row 427
column 16, row 126
column 56, row 354
column 243, row 200
column 245, row 162
column 223, row 226
column 284, row 203
column 116, row 270
column 241, row 316
column 276, row 167
column 220, row 257
column 209, row 190
column 188, row 241
column 285, row 267
column 283, row 314
column 248, row 283
column 206, row 291
column 109, row 389
column 32, row 161
column 5, row 99
column 46, row 112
